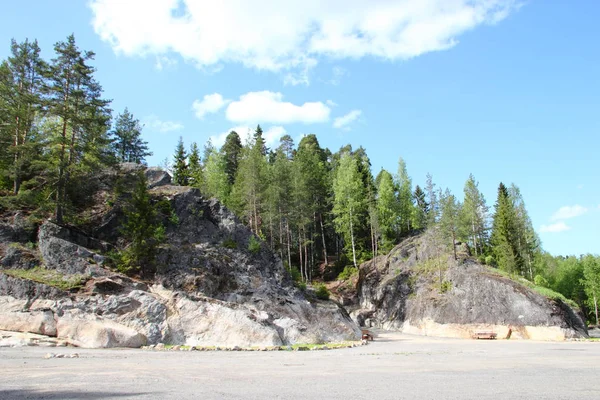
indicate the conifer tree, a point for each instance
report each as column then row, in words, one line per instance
column 216, row 183
column 421, row 209
column 474, row 215
column 450, row 218
column 142, row 230
column 232, row 151
column 528, row 243
column 21, row 82
column 196, row 176
column 180, row 167
column 433, row 212
column 127, row 139
column 80, row 144
column 504, row 233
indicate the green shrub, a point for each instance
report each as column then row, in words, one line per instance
column 481, row 259
column 350, row 271
column 321, row 291
column 301, row 286
column 253, row 245
column 446, row 286
column 540, row 281
column 295, row 274
column 229, row 243
column 489, row 260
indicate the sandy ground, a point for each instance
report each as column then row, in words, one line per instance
column 395, row 366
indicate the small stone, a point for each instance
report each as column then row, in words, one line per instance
column 60, row 356
column 160, row 346
column 49, row 355
column 176, row 348
column 74, row 355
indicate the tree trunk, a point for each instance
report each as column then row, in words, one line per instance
column 596, row 309
column 454, row 244
column 323, row 238
column 352, row 238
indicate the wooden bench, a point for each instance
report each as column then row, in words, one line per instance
column 485, row 335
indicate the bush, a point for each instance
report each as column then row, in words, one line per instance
column 540, row 281
column 446, row 286
column 322, row 292
column 253, row 245
column 489, row 260
column 481, row 259
column 301, row 286
column 295, row 274
column 349, row 272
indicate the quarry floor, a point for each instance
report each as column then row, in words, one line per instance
column 394, row 366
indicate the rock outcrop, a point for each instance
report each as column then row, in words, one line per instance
column 419, row 290
column 209, row 287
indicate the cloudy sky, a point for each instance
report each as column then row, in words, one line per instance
column 508, row 90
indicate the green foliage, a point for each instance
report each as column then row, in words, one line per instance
column 301, row 286
column 490, row 260
column 446, row 286
column 180, row 167
column 127, row 142
column 321, row 292
column 229, row 243
column 49, row 277
column 142, row 230
column 349, row 272
column 540, row 281
column 253, row 244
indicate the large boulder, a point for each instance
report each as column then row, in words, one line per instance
column 101, row 333
column 418, row 289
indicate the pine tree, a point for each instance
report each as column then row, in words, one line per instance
column 180, row 167
column 216, row 183
column 196, row 176
column 21, row 82
column 528, row 243
column 433, row 212
column 504, row 233
column 127, row 139
column 80, row 144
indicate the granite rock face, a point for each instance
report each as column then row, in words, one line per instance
column 418, row 289
column 209, row 288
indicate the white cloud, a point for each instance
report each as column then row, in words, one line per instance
column 555, row 228
column 331, row 103
column 289, row 35
column 271, row 135
column 269, row 107
column 344, row 121
column 567, row 212
column 210, row 103
column 154, row 123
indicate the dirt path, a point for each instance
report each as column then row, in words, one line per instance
column 395, row 366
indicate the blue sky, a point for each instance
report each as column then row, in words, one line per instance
column 507, row 90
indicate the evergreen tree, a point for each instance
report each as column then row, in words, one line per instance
column 474, row 215
column 433, row 212
column 142, row 230
column 504, row 233
column 80, row 144
column 232, row 150
column 181, row 173
column 21, row 82
column 127, row 139
column 528, row 243
column 421, row 209
column 196, row 176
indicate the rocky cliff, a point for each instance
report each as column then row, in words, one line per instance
column 419, row 288
column 208, row 288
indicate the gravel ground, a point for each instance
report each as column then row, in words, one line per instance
column 395, row 366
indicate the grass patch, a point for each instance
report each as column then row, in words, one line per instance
column 349, row 272
column 544, row 291
column 49, row 277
